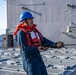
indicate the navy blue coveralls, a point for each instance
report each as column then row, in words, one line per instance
column 31, row 58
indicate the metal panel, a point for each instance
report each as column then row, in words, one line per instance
column 52, row 17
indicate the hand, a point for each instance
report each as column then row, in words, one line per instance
column 39, row 47
column 42, row 48
column 59, row 44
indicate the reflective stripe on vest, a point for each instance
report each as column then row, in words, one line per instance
column 34, row 38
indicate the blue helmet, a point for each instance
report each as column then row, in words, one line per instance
column 25, row 15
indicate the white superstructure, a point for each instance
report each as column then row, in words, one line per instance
column 51, row 16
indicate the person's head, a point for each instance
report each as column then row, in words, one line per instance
column 26, row 17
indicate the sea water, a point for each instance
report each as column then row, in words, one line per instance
column 0, row 42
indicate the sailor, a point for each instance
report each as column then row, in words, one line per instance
column 31, row 42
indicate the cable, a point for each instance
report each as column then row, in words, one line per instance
column 20, row 4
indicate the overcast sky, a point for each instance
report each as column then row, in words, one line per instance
column 3, row 19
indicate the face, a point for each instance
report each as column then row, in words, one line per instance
column 30, row 22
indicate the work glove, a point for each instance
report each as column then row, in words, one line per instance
column 59, row 44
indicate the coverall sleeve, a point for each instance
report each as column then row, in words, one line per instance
column 28, row 50
column 48, row 42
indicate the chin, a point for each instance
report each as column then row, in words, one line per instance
column 31, row 25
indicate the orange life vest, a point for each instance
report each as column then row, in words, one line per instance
column 33, row 36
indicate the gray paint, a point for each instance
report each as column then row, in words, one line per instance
column 52, row 18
